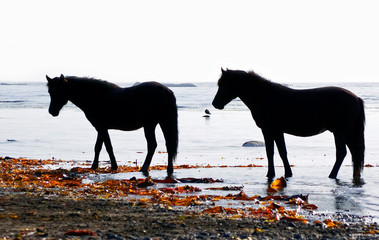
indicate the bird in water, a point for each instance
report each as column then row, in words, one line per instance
column 207, row 113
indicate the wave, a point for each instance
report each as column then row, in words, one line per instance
column 12, row 101
column 14, row 84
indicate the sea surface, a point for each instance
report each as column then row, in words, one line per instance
column 27, row 130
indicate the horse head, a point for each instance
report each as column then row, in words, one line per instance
column 226, row 90
column 58, row 95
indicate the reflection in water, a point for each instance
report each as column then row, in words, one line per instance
column 348, row 196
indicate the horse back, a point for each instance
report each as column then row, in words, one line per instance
column 307, row 112
column 130, row 108
column 146, row 103
column 148, row 95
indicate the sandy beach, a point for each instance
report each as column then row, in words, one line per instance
column 24, row 216
column 55, row 204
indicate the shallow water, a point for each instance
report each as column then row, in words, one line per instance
column 27, row 130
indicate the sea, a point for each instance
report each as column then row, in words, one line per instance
column 27, row 130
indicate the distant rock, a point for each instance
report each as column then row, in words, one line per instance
column 179, row 85
column 253, row 144
column 173, row 84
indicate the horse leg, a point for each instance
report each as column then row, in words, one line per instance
column 170, row 132
column 356, row 144
column 280, row 143
column 357, row 156
column 98, row 146
column 340, row 141
column 151, row 146
column 269, row 142
column 108, row 146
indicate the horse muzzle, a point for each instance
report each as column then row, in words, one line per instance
column 54, row 113
column 217, row 106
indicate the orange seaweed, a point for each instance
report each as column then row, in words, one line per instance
column 31, row 176
column 279, row 184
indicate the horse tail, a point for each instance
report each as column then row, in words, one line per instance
column 358, row 140
column 169, row 125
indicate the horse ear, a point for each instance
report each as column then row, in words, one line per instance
column 48, row 78
column 63, row 79
column 222, row 71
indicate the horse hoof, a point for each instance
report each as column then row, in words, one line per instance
column 270, row 175
column 94, row 167
column 358, row 182
column 170, row 174
column 288, row 175
column 270, row 178
column 357, row 175
column 144, row 172
column 332, row 176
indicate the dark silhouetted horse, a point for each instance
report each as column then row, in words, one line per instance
column 277, row 109
column 107, row 106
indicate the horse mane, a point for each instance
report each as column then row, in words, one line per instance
column 91, row 82
column 263, row 81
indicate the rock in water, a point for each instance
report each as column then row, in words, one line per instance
column 253, row 144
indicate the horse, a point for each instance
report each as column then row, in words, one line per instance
column 108, row 106
column 278, row 109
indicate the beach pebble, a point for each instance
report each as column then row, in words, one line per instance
column 253, row 144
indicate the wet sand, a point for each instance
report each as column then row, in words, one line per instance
column 25, row 216
column 39, row 203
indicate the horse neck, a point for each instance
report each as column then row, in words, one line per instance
column 249, row 92
column 253, row 91
column 82, row 94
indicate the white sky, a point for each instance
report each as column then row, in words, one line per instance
column 188, row 41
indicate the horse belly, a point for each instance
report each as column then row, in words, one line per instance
column 302, row 122
column 322, row 118
column 115, row 121
column 125, row 123
column 305, row 131
column 125, row 127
